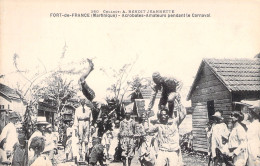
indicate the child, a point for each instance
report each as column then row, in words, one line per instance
column 19, row 151
column 39, row 159
column 96, row 154
column 3, row 157
column 106, row 141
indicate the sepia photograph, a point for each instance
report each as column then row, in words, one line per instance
column 129, row 83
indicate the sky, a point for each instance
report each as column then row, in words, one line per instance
column 172, row 46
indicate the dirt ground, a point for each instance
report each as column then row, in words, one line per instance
column 188, row 160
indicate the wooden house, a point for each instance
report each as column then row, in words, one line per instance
column 219, row 83
column 47, row 110
column 68, row 113
column 9, row 101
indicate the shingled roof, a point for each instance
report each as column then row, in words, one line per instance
column 235, row 74
column 9, row 92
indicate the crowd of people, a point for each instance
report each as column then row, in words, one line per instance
column 99, row 133
column 234, row 142
column 98, row 136
column 41, row 145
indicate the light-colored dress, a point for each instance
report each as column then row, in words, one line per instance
column 238, row 141
column 218, row 131
column 253, row 140
column 114, row 141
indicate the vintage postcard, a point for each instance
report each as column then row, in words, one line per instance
column 130, row 82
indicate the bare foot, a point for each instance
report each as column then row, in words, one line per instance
column 91, row 64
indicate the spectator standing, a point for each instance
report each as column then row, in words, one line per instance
column 49, row 143
column 238, row 141
column 39, row 132
column 3, row 157
column 82, row 121
column 68, row 149
column 39, row 159
column 115, row 139
column 127, row 131
column 19, row 151
column 106, row 142
column 219, row 138
column 253, row 138
column 10, row 135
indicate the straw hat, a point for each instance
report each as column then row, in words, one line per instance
column 41, row 120
column 217, row 115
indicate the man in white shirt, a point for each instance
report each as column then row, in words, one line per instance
column 219, row 137
column 82, row 120
column 39, row 132
column 9, row 133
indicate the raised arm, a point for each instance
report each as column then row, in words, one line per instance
column 179, row 84
column 181, row 113
column 155, row 89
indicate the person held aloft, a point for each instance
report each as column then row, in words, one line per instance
column 39, row 132
column 39, row 159
column 169, row 152
column 82, row 122
column 127, row 131
column 83, row 86
column 169, row 86
column 10, row 135
column 219, row 139
column 253, row 137
column 96, row 152
column 237, row 142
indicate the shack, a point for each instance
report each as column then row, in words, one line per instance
column 10, row 100
column 47, row 110
column 68, row 113
column 218, row 84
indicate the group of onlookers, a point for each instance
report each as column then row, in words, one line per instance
column 237, row 141
column 9, row 142
column 41, row 145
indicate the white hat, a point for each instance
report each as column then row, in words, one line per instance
column 129, row 108
column 42, row 120
column 218, row 115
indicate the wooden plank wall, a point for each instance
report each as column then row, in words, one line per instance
column 208, row 87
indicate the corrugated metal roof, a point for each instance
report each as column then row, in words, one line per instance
column 237, row 74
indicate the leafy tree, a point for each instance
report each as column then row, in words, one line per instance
column 52, row 85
